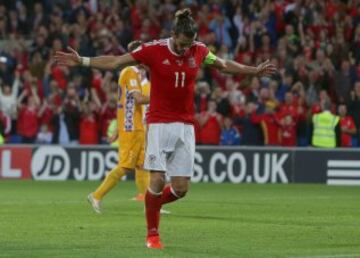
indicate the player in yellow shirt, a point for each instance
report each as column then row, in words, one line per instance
column 131, row 128
column 141, row 176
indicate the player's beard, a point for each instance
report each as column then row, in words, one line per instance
column 182, row 52
column 179, row 51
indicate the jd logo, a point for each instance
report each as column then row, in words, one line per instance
column 50, row 163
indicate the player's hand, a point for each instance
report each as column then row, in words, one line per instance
column 266, row 69
column 67, row 59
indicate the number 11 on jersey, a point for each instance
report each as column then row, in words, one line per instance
column 177, row 75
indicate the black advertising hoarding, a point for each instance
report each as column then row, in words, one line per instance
column 333, row 167
column 212, row 164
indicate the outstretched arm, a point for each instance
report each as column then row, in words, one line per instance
column 232, row 67
column 72, row 58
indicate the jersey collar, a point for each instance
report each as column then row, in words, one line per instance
column 169, row 47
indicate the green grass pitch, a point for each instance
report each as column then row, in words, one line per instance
column 53, row 219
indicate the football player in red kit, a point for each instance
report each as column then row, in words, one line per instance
column 173, row 64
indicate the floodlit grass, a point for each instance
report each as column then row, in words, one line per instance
column 53, row 219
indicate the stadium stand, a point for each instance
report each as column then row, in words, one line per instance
column 315, row 44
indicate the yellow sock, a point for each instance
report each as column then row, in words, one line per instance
column 109, row 182
column 142, row 179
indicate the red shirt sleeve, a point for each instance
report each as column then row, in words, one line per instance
column 203, row 50
column 144, row 53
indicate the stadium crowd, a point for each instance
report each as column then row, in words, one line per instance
column 315, row 45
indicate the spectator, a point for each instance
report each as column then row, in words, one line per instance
column 254, row 93
column 289, row 107
column 202, row 96
column 39, row 16
column 229, row 133
column 269, row 122
column 28, row 124
column 99, row 85
column 60, row 131
column 46, row 113
column 251, row 133
column 71, row 114
column 344, row 79
column 210, row 124
column 89, row 126
column 266, row 97
column 222, row 102
column 236, row 97
column 44, row 136
column 8, row 95
column 288, row 135
column 312, row 92
column 354, row 109
column 238, row 20
column 221, row 25
column 323, row 97
column 347, row 126
column 299, row 100
column 284, row 87
column 325, row 128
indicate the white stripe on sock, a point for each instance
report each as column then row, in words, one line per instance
column 173, row 192
column 154, row 193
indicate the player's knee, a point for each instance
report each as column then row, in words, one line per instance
column 157, row 181
column 180, row 190
column 180, row 187
column 181, row 193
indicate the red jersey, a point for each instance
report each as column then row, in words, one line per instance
column 211, row 130
column 28, row 124
column 348, row 123
column 89, row 132
column 47, row 117
column 270, row 127
column 291, row 110
column 172, row 80
column 288, row 134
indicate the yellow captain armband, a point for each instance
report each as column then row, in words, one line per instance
column 210, row 59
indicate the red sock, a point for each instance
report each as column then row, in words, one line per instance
column 167, row 195
column 152, row 206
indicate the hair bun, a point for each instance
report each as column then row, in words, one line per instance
column 183, row 14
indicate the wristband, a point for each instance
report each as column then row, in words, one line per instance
column 85, row 61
